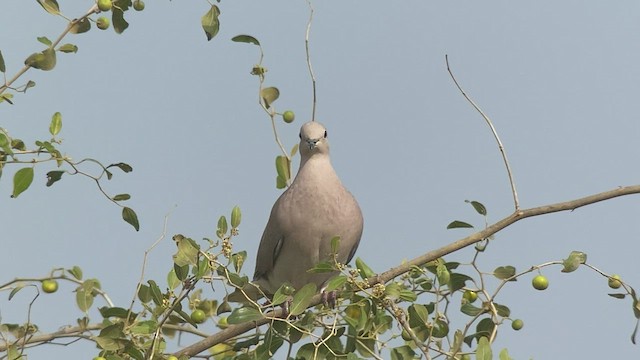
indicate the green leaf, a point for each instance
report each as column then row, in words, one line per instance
column 335, row 244
column 471, row 310
column 244, row 314
column 280, row 183
column 336, row 283
column 2, row 66
column 210, row 22
column 29, row 85
column 130, row 216
column 81, row 26
column 504, row 355
column 15, row 290
column 187, row 253
column 269, row 95
column 117, row 18
column 122, row 166
column 483, row 351
column 322, row 267
column 283, row 168
column 458, row 224
column 222, row 227
column 480, row 209
column 302, row 299
column 238, row 260
column 144, row 327
column 181, row 272
column 44, row 60
column 68, row 48
column 408, row 295
column 56, row 124
column 156, row 294
column 618, row 296
column 84, row 296
column 363, row 269
column 279, row 297
column 246, row 39
column 502, row 310
column 117, row 312
column 443, row 274
column 236, row 217
column 45, row 40
column 53, row 176
column 76, row 272
column 144, row 293
column 121, row 197
column 51, row 6
column 574, row 260
column 402, row 352
column 504, row 272
column 22, row 180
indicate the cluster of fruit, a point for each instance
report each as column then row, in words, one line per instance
column 106, row 5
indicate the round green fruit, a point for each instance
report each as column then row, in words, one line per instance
column 540, row 282
column 104, row 5
column 99, row 358
column 198, row 316
column 517, row 324
column 172, row 357
column 103, row 23
column 470, row 296
column 288, row 116
column 49, row 286
column 138, row 5
column 614, row 282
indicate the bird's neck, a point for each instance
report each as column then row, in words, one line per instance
column 313, row 166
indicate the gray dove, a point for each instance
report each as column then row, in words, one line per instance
column 304, row 219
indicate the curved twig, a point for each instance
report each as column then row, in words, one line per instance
column 495, row 135
column 306, row 46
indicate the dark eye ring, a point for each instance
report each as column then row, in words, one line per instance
column 325, row 134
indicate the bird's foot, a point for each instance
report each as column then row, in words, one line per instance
column 329, row 298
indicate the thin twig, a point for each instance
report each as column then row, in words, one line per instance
column 306, row 45
column 495, row 134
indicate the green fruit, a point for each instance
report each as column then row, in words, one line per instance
column 517, row 324
column 614, row 282
column 540, row 282
column 138, row 5
column 470, row 296
column 198, row 316
column 104, row 5
column 172, row 357
column 49, row 286
column 99, row 358
column 288, row 116
column 103, row 23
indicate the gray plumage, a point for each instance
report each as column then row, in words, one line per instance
column 304, row 219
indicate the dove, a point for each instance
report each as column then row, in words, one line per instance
column 314, row 209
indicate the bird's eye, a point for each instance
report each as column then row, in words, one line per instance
column 325, row 134
column 300, row 135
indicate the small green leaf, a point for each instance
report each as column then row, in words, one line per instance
column 130, row 216
column 336, row 283
column 53, row 176
column 210, row 22
column 187, row 253
column 121, row 197
column 283, row 168
column 244, row 314
column 269, row 95
column 22, row 180
column 2, row 66
column 68, row 48
column 44, row 60
column 480, row 209
column 238, row 259
column 483, row 351
column 363, row 269
column 236, row 217
column 246, row 39
column 322, row 267
column 443, row 274
column 122, row 166
column 56, row 124
column 144, row 327
column 458, row 224
column 504, row 355
column 335, row 244
column 574, row 260
column 294, row 150
column 504, row 272
column 45, row 40
column 156, row 294
column 280, row 183
column 117, row 18
column 280, row 297
column 618, row 296
column 502, row 310
column 81, row 26
column 471, row 310
column 29, row 85
column 15, row 290
column 51, row 6
column 84, row 296
column 302, row 299
column 222, row 227
column 144, row 293
column 76, row 272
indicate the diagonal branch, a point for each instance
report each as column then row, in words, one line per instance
column 235, row 330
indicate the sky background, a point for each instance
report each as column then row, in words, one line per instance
column 560, row 81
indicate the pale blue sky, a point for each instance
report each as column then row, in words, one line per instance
column 559, row 79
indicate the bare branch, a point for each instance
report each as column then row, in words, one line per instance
column 306, row 46
column 495, row 134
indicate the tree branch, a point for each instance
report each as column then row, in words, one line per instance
column 235, row 330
